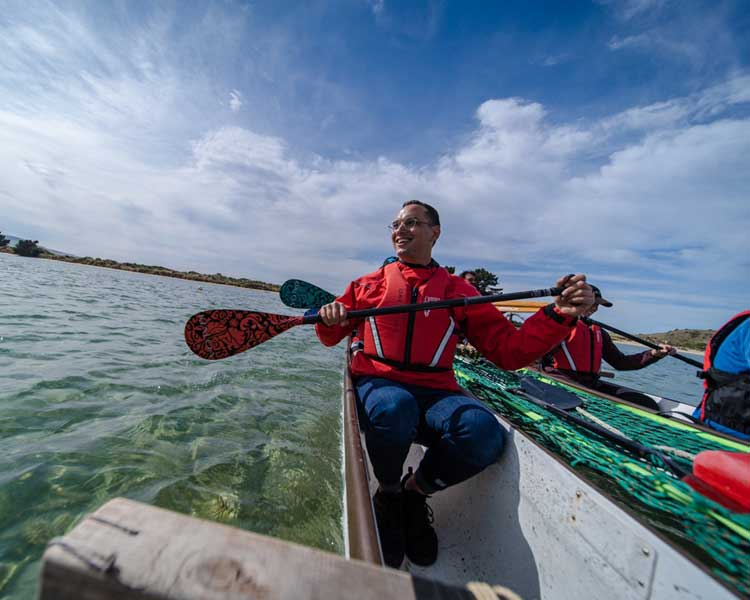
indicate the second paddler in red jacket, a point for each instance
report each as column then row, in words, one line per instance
column 580, row 355
column 404, row 378
column 418, row 348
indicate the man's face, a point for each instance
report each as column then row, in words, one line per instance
column 414, row 243
column 471, row 278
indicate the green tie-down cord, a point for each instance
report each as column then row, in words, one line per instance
column 712, row 534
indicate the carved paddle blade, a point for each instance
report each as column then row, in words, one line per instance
column 300, row 294
column 217, row 334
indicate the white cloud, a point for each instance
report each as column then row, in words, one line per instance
column 239, row 147
column 555, row 59
column 628, row 9
column 676, row 113
column 663, row 42
column 377, row 6
column 417, row 20
column 235, row 100
column 130, row 162
column 618, row 43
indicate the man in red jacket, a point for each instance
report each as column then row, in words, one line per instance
column 405, row 382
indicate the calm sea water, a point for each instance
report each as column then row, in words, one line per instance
column 100, row 397
column 668, row 377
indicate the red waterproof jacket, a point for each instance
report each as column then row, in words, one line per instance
column 418, row 348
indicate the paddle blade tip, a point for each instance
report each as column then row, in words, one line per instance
column 289, row 293
column 218, row 334
column 204, row 333
column 296, row 293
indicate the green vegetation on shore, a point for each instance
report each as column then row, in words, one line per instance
column 148, row 269
column 694, row 339
column 688, row 339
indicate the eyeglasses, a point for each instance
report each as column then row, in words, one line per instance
column 409, row 223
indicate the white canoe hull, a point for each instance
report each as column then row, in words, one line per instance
column 531, row 524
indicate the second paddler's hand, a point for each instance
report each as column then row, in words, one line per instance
column 577, row 297
column 334, row 314
column 663, row 350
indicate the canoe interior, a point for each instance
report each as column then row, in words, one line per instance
column 531, row 524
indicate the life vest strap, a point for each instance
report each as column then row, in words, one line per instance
column 443, row 343
column 571, row 362
column 410, row 367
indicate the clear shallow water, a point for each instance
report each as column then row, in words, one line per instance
column 100, row 397
column 668, row 377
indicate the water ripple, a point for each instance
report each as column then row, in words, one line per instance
column 101, row 398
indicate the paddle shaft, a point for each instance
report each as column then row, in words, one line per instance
column 406, row 308
column 221, row 333
column 703, row 487
column 626, row 442
column 635, row 338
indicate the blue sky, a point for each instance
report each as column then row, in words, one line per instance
column 275, row 139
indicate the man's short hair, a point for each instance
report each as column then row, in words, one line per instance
column 465, row 273
column 432, row 214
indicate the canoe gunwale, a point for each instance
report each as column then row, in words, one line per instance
column 605, row 493
column 361, row 531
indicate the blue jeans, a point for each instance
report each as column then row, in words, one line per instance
column 462, row 436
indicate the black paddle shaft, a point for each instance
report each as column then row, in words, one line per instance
column 632, row 445
column 404, row 308
column 635, row 338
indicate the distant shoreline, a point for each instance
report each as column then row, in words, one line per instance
column 700, row 337
column 163, row 271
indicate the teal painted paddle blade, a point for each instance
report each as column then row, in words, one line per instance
column 300, row 294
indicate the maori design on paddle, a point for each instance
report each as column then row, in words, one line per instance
column 217, row 334
column 300, row 294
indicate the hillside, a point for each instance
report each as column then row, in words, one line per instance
column 689, row 339
column 695, row 339
column 150, row 269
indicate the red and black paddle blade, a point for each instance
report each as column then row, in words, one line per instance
column 217, row 334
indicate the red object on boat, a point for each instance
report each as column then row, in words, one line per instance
column 728, row 472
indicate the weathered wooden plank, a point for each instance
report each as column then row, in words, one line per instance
column 131, row 550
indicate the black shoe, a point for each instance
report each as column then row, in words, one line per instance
column 421, row 539
column 388, row 513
